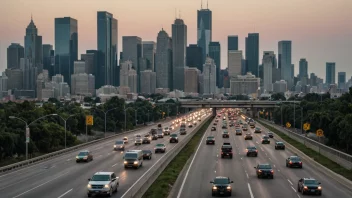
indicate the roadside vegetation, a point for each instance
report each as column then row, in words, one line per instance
column 163, row 184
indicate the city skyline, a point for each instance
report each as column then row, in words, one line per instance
column 318, row 38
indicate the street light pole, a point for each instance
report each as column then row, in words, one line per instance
column 294, row 113
column 281, row 117
column 301, row 119
column 65, row 120
column 105, row 113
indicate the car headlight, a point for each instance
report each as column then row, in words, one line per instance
column 77, row 157
column 106, row 186
column 135, row 162
column 89, row 186
column 305, row 187
column 125, row 162
column 114, row 146
column 228, row 188
column 214, row 187
column 319, row 187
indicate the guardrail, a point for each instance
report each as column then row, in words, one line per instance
column 337, row 156
column 146, row 180
column 337, row 177
column 56, row 153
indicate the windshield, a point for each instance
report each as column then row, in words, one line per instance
column 221, row 181
column 100, row 178
column 173, row 135
column 251, row 148
column 264, row 166
column 83, row 154
column 265, row 137
column 311, row 181
column 279, row 143
column 295, row 159
column 159, row 145
column 119, row 142
column 130, row 155
column 210, row 138
column 146, row 151
column 225, row 132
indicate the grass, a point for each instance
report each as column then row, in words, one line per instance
column 316, row 156
column 163, row 184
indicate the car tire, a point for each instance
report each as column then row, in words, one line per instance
column 117, row 185
column 298, row 189
column 230, row 194
column 110, row 193
column 256, row 155
column 150, row 157
column 272, row 177
column 258, row 176
column 89, row 195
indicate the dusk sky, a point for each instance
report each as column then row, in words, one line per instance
column 320, row 30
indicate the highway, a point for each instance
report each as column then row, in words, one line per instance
column 207, row 164
column 63, row 177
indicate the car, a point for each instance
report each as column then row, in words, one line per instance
column 225, row 134
column 84, row 156
column 103, row 183
column 138, row 136
column 264, row 170
column 190, row 125
column 138, row 141
column 309, row 186
column 224, row 127
column 195, row 123
column 271, row 134
column 248, row 136
column 238, row 132
column 257, row 130
column 226, row 150
column 154, row 137
column 294, row 161
column 125, row 140
column 279, row 145
column 160, row 148
column 215, row 124
column 173, row 138
column 160, row 133
column 147, row 139
column 119, row 145
column 213, row 128
column 166, row 131
column 237, row 125
column 210, row 140
column 172, row 127
column 153, row 131
column 147, row 154
column 221, row 186
column 265, row 139
column 252, row 151
column 183, row 131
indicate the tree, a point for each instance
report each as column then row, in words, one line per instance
column 278, row 96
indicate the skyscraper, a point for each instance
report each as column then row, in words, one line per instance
column 107, row 45
column 341, row 78
column 163, row 61
column 33, row 46
column 285, row 63
column 48, row 59
column 252, row 53
column 14, row 53
column 194, row 57
column 215, row 53
column 148, row 77
column 209, row 76
column 179, row 44
column 234, row 62
column 149, row 50
column 303, row 68
column 268, row 62
column 204, row 30
column 132, row 50
column 191, row 80
column 232, row 42
column 66, row 46
column 330, row 73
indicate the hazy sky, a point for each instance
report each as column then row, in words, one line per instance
column 320, row 30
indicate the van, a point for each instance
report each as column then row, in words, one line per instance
column 133, row 159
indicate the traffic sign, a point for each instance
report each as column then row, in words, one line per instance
column 27, row 135
column 306, row 126
column 320, row 133
column 89, row 120
column 288, row 125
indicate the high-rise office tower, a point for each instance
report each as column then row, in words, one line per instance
column 234, row 62
column 194, row 57
column 14, row 53
column 204, row 30
column 33, row 46
column 191, row 80
column 303, row 68
column 341, row 78
column 252, row 53
column 179, row 44
column 132, row 50
column 30, row 74
column 163, row 61
column 330, row 73
column 268, row 62
column 148, row 77
column 83, row 84
column 48, row 59
column 221, row 78
column 215, row 53
column 107, row 45
column 209, row 76
column 66, row 46
column 232, row 42
column 285, row 63
column 149, row 50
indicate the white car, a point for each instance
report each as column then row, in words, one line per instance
column 103, row 183
column 125, row 140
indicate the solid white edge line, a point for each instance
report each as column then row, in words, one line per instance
column 293, row 189
column 290, row 182
column 250, row 190
column 189, row 168
column 65, row 193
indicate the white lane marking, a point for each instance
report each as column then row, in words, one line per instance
column 68, row 160
column 189, row 168
column 215, row 172
column 269, row 158
column 217, row 155
column 40, row 185
column 290, row 182
column 274, row 166
column 278, row 170
column 298, row 196
column 247, row 175
column 257, row 142
column 293, row 189
column 98, row 148
column 250, row 190
column 65, row 193
column 114, row 165
column 262, row 148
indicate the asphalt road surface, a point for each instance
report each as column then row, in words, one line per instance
column 63, row 177
column 207, row 164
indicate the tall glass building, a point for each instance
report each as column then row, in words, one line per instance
column 204, row 30
column 232, row 42
column 33, row 46
column 215, row 53
column 107, row 45
column 252, row 53
column 285, row 62
column 66, row 46
column 330, row 73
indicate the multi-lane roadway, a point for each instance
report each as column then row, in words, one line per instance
column 63, row 177
column 207, row 164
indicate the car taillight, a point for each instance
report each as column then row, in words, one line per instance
column 272, row 171
column 256, row 151
column 222, row 152
column 300, row 162
column 290, row 162
column 246, row 150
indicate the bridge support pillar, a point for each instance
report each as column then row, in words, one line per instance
column 254, row 112
column 214, row 111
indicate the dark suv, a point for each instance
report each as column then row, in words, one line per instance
column 225, row 134
column 265, row 139
column 294, row 161
column 221, row 186
column 226, row 150
column 252, row 151
column 210, row 140
column 84, row 156
column 264, row 170
column 279, row 145
column 173, row 138
column 309, row 186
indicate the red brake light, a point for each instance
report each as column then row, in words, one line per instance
column 290, row 162
column 300, row 162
